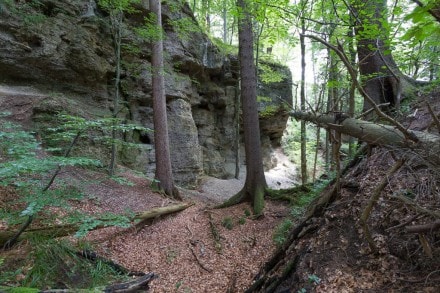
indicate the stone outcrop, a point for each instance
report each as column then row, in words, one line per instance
column 65, row 49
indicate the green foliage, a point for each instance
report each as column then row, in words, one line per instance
column 122, row 181
column 269, row 111
column 185, row 27
column 115, row 6
column 228, row 223
column 314, row 279
column 150, row 32
column 291, row 143
column 225, row 49
column 20, row 166
column 102, row 220
column 242, row 220
column 29, row 11
column 21, row 290
column 98, row 130
column 56, row 261
column 268, row 75
column 282, row 231
column 301, row 198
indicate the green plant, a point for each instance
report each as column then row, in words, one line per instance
column 281, row 232
column 185, row 27
column 22, row 290
column 228, row 223
column 247, row 212
column 103, row 220
column 122, row 181
column 22, row 168
column 55, row 262
column 314, row 279
column 29, row 11
column 242, row 220
column 268, row 75
column 178, row 284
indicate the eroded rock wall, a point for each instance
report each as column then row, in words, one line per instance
column 65, row 49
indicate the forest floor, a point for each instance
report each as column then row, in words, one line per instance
column 202, row 249
column 199, row 249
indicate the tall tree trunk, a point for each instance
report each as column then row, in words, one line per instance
column 225, row 22
column 380, row 75
column 237, row 129
column 163, row 175
column 255, row 184
column 351, row 96
column 303, row 105
column 116, row 21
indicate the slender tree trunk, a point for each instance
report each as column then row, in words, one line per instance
column 116, row 20
column 303, row 106
column 163, row 175
column 237, row 130
column 225, row 22
column 255, row 184
column 351, row 95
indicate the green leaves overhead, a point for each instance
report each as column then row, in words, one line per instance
column 115, row 6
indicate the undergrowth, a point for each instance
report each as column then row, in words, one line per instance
column 56, row 264
column 300, row 198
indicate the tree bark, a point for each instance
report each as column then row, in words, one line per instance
column 376, row 64
column 163, row 175
column 303, row 105
column 255, row 184
column 427, row 147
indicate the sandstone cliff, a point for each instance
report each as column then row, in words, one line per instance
column 64, row 49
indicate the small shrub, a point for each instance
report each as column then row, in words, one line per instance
column 228, row 223
column 281, row 232
column 242, row 221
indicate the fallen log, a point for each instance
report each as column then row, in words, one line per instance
column 65, row 230
column 428, row 145
column 424, row 228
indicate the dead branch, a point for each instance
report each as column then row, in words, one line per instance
column 198, row 260
column 373, row 200
column 425, row 228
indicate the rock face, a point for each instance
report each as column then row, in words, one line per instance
column 65, row 49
